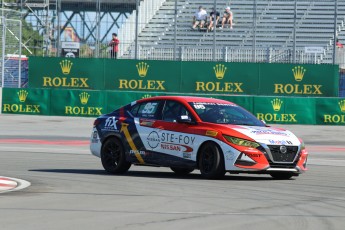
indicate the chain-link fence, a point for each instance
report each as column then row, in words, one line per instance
column 13, row 65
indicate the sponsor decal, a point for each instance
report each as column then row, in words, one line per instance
column 83, row 110
column 141, row 84
column 171, row 141
column 65, row 81
column 147, row 123
column 21, row 106
column 298, row 73
column 253, row 155
column 187, row 155
column 336, row 118
column 140, row 152
column 211, row 133
column 229, row 87
column 110, row 124
column 267, row 132
column 153, row 139
column 275, row 116
column 280, row 142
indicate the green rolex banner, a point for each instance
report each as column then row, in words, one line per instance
column 85, row 103
column 299, row 80
column 330, row 111
column 148, row 75
column 26, row 101
column 220, row 77
column 68, row 73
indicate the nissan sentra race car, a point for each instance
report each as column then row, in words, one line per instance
column 187, row 133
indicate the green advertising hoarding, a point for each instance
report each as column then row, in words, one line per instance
column 134, row 75
column 93, row 103
column 86, row 103
column 223, row 78
column 26, row 101
column 330, row 111
column 220, row 77
column 299, row 80
column 285, row 110
column 71, row 73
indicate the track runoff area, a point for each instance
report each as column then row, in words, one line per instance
column 70, row 188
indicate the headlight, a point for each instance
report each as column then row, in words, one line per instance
column 241, row 142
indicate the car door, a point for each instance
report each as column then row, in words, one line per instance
column 173, row 139
column 137, row 132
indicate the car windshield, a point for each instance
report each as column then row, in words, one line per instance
column 224, row 114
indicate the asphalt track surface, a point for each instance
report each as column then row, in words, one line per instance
column 70, row 190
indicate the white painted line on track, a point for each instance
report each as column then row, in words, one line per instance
column 52, row 149
column 14, row 184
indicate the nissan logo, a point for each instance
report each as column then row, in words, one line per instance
column 283, row 149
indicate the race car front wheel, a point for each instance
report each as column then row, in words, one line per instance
column 113, row 157
column 211, row 162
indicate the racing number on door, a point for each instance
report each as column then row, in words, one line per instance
column 149, row 108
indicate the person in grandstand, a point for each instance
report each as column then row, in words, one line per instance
column 227, row 17
column 114, row 44
column 199, row 18
column 214, row 14
column 338, row 44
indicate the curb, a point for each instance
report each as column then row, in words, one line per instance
column 8, row 184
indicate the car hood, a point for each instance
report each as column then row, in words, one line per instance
column 268, row 135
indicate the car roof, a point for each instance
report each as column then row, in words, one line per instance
column 187, row 99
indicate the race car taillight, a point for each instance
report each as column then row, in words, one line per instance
column 96, row 122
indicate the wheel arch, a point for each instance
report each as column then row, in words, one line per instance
column 112, row 136
column 202, row 145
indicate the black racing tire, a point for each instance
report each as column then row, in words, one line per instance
column 282, row 175
column 113, row 157
column 182, row 171
column 211, row 161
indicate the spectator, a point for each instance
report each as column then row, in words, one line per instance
column 114, row 44
column 199, row 18
column 212, row 15
column 338, row 44
column 227, row 17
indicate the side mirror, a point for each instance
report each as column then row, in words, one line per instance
column 185, row 119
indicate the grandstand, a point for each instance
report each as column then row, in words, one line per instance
column 274, row 30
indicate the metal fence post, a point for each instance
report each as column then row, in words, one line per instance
column 136, row 29
column 175, row 31
column 214, row 30
column 294, row 32
column 20, row 55
column 254, row 31
column 335, row 29
column 3, row 19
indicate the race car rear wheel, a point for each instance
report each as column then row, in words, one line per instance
column 181, row 171
column 113, row 157
column 282, row 175
column 211, row 162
